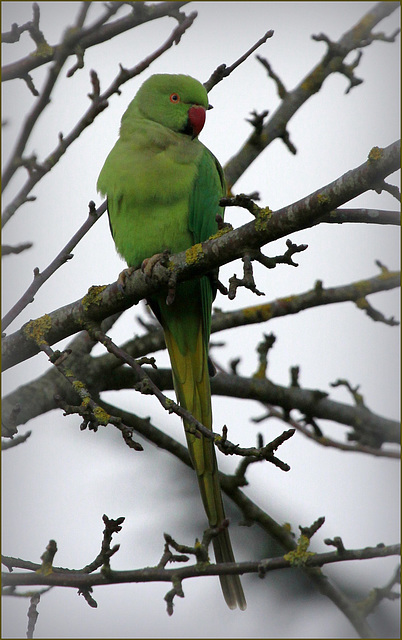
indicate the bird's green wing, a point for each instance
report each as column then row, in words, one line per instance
column 208, row 188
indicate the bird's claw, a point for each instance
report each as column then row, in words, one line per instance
column 148, row 264
column 126, row 273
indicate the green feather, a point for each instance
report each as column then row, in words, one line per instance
column 163, row 189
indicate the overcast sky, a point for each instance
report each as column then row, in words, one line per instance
column 61, row 481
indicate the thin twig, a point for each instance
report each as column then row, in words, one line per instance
column 61, row 258
column 193, row 425
column 223, row 71
column 78, row 579
column 100, row 31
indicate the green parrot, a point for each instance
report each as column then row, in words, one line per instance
column 163, row 188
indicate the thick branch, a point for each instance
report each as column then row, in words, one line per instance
column 310, row 403
column 318, row 296
column 38, row 397
column 100, row 302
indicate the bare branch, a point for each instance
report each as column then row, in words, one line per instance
column 223, row 71
column 247, row 281
column 62, row 257
column 321, row 439
column 7, row 250
column 370, row 428
column 78, row 579
column 106, row 552
column 9, row 444
column 378, row 594
column 32, row 614
column 70, row 41
column 332, row 62
column 368, row 216
column 100, row 31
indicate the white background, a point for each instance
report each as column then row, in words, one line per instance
column 59, row 483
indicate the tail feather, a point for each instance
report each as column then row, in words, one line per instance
column 185, row 341
column 230, row 585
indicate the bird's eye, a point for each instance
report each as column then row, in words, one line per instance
column 174, row 97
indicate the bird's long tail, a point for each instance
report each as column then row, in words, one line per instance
column 184, row 336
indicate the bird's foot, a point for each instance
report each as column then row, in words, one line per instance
column 148, row 264
column 126, row 273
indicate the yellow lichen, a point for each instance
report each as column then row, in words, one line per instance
column 322, row 199
column 93, row 296
column 364, row 287
column 47, row 559
column 362, row 303
column 43, row 50
column 386, row 274
column 375, row 154
column 101, row 415
column 78, row 385
column 263, row 218
column 194, row 253
column 369, row 603
column 362, row 29
column 46, row 569
column 261, row 371
column 221, row 232
column 36, row 330
column 261, row 311
column 300, row 555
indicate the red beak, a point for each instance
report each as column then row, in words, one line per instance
column 196, row 118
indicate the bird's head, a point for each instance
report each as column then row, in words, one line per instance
column 178, row 102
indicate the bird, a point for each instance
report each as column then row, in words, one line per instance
column 163, row 188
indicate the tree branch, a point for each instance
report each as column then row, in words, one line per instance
column 313, row 403
column 368, row 428
column 332, row 62
column 62, row 257
column 367, row 216
column 79, row 580
column 94, row 34
column 223, row 71
column 101, row 302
